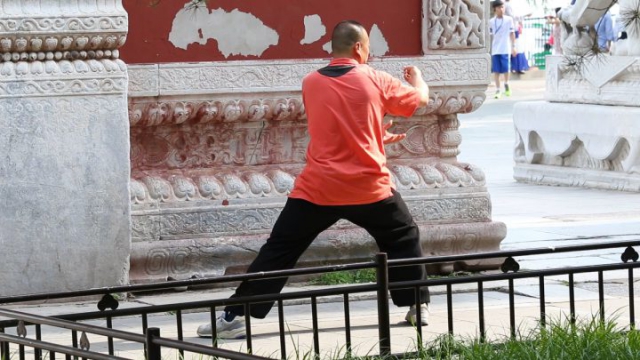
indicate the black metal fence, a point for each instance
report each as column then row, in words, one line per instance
column 30, row 334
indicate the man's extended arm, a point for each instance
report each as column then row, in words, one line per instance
column 413, row 76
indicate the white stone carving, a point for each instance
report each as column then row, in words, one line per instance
column 579, row 35
column 241, row 218
column 64, row 77
column 260, row 107
column 611, row 80
column 286, row 75
column 156, row 260
column 46, row 26
column 454, row 24
column 143, row 80
column 278, row 181
column 575, row 136
column 584, row 143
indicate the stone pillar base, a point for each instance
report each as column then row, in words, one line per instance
column 449, row 224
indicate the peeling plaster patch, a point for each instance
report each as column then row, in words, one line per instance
column 378, row 44
column 327, row 47
column 237, row 32
column 314, row 29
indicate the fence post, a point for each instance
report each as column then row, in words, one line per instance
column 384, row 331
column 4, row 348
column 151, row 349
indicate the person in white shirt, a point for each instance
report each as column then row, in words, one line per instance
column 502, row 31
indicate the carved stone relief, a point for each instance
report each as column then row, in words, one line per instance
column 227, row 220
column 285, row 109
column 223, row 255
column 221, row 184
column 455, row 24
column 286, row 76
column 62, row 78
column 54, row 30
column 611, row 80
column 205, row 145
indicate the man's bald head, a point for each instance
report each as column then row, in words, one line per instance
column 345, row 35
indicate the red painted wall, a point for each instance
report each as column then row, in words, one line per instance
column 150, row 25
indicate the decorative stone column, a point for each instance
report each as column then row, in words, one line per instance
column 64, row 140
column 216, row 148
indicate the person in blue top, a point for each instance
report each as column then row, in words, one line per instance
column 606, row 35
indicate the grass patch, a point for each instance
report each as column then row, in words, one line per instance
column 345, row 277
column 364, row 276
column 560, row 340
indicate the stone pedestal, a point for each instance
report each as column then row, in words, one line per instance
column 64, row 140
column 216, row 148
column 587, row 133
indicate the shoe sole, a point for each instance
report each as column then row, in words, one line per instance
column 227, row 335
column 412, row 323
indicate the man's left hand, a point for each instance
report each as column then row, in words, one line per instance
column 390, row 138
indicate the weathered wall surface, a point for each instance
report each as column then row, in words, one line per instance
column 64, row 140
column 275, row 29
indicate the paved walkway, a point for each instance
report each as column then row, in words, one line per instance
column 536, row 216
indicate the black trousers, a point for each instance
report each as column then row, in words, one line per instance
column 300, row 222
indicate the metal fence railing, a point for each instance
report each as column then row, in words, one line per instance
column 31, row 329
column 536, row 33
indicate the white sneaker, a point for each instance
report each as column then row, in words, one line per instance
column 234, row 329
column 412, row 314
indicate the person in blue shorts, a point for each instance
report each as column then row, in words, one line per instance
column 502, row 31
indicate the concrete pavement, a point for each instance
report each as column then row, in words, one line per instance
column 535, row 215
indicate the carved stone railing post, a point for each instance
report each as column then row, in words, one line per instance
column 64, row 140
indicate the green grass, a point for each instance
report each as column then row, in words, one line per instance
column 560, row 340
column 345, row 277
column 363, row 276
